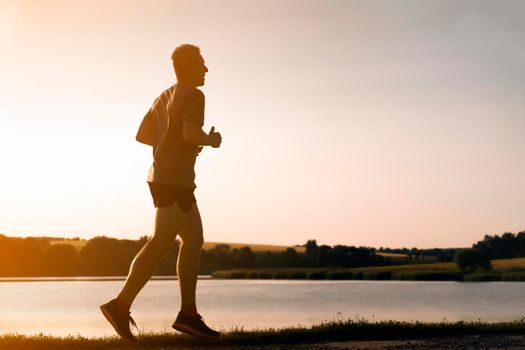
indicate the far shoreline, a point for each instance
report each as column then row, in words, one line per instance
column 375, row 273
column 89, row 278
column 310, row 274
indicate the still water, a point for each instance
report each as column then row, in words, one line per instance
column 71, row 307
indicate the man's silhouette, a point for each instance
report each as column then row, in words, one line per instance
column 173, row 127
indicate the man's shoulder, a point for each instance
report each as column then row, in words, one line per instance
column 169, row 91
column 166, row 95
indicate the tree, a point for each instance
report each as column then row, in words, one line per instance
column 310, row 249
column 104, row 256
column 60, row 260
column 470, row 260
column 289, row 258
column 321, row 255
column 20, row 256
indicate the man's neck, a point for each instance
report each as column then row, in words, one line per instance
column 186, row 83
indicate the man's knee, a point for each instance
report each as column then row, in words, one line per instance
column 161, row 241
column 193, row 241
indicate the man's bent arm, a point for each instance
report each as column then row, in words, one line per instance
column 193, row 134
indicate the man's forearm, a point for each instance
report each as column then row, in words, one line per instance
column 196, row 137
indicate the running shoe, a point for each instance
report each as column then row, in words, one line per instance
column 194, row 325
column 119, row 319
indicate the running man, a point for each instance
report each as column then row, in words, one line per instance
column 173, row 127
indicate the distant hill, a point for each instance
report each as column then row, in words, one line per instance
column 393, row 255
column 255, row 247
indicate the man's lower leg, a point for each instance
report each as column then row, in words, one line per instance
column 187, row 271
column 141, row 270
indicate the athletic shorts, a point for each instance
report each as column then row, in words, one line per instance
column 165, row 195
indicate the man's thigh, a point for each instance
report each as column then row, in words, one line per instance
column 169, row 221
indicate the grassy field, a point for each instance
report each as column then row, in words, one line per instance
column 393, row 256
column 508, row 264
column 256, row 248
column 357, row 329
column 76, row 243
column 404, row 257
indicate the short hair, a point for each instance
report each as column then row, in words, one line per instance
column 182, row 56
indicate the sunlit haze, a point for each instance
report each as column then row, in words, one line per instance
column 376, row 123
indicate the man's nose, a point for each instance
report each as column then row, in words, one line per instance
column 205, row 69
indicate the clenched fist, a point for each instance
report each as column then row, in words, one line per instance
column 215, row 138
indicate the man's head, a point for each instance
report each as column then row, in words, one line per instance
column 189, row 65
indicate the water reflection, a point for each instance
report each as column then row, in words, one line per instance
column 62, row 308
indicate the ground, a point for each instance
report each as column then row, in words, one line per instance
column 337, row 335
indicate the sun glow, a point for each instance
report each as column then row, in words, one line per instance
column 392, row 133
column 8, row 19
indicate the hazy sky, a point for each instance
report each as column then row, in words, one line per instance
column 377, row 123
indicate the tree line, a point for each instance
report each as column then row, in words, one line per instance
column 105, row 256
column 36, row 256
column 508, row 245
column 223, row 257
column 477, row 258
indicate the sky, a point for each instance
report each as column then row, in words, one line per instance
column 369, row 123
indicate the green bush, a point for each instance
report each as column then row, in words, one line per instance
column 238, row 274
column 482, row 277
column 513, row 277
column 265, row 274
column 339, row 275
column 471, row 260
column 316, row 275
column 253, row 274
column 230, row 274
column 297, row 275
column 377, row 275
column 357, row 275
column 280, row 275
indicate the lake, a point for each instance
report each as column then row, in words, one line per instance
column 71, row 306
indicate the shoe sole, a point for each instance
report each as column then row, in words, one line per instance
column 110, row 319
column 188, row 330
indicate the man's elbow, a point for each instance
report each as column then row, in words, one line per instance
column 190, row 137
column 145, row 140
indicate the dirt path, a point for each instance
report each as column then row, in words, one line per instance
column 445, row 343
column 442, row 343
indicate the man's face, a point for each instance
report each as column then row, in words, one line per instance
column 196, row 72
